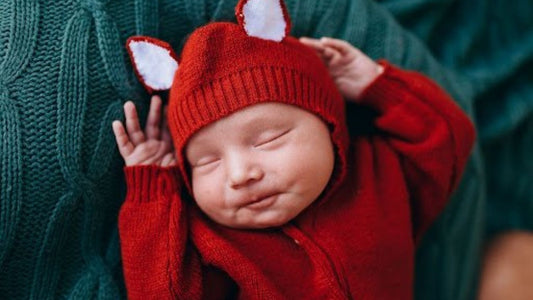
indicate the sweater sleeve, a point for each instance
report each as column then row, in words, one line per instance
column 430, row 133
column 158, row 260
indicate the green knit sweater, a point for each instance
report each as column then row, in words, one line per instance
column 64, row 75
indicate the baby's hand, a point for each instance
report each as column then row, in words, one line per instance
column 151, row 147
column 350, row 68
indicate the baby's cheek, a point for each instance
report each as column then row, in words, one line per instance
column 312, row 164
column 301, row 159
column 207, row 193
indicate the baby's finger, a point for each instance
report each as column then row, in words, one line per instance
column 339, row 45
column 154, row 119
column 125, row 147
column 165, row 133
column 168, row 160
column 132, row 124
column 313, row 43
column 320, row 49
column 332, row 55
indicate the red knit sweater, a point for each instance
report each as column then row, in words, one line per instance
column 356, row 242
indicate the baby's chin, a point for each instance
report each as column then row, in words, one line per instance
column 262, row 220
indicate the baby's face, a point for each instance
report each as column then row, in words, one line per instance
column 260, row 166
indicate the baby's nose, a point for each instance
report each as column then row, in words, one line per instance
column 243, row 171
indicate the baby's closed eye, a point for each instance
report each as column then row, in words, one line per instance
column 269, row 137
column 205, row 161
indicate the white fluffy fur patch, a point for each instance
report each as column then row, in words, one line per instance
column 154, row 64
column 264, row 19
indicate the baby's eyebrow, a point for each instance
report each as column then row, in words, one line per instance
column 261, row 123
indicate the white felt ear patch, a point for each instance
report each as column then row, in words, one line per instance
column 154, row 61
column 264, row 19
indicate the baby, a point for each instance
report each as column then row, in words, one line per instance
column 256, row 190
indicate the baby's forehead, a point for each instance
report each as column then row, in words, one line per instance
column 250, row 121
column 250, row 115
column 250, row 118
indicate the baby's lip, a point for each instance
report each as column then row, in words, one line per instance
column 256, row 198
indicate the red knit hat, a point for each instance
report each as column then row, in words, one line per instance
column 225, row 67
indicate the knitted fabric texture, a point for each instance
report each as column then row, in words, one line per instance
column 64, row 76
column 222, row 70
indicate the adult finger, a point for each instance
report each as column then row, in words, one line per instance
column 125, row 147
column 153, row 123
column 132, row 124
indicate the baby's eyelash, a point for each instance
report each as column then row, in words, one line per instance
column 273, row 138
column 206, row 162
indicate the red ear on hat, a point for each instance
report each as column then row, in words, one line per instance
column 154, row 62
column 265, row 19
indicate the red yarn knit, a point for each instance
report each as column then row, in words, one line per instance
column 359, row 243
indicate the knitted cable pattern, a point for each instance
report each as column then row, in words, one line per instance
column 64, row 76
column 77, row 219
column 15, row 59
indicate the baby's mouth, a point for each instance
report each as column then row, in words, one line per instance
column 262, row 201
